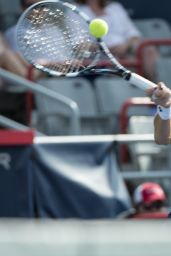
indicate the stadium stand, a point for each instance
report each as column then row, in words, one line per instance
column 9, row 13
column 145, row 9
column 111, row 94
column 155, row 29
column 53, row 118
column 38, row 89
column 145, row 156
column 132, row 110
column 163, row 67
column 93, row 120
column 97, row 109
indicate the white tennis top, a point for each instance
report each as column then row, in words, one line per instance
column 121, row 27
column 10, row 36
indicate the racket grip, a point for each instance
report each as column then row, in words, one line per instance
column 141, row 82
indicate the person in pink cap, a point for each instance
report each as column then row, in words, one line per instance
column 149, row 199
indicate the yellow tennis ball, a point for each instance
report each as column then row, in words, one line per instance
column 98, row 28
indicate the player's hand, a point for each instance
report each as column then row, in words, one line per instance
column 160, row 95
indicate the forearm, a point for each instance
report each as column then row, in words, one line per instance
column 161, row 96
column 162, row 130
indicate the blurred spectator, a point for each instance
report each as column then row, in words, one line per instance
column 149, row 199
column 9, row 61
column 123, row 37
column 13, row 105
column 10, row 37
column 10, row 33
column 17, row 106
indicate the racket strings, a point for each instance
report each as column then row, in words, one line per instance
column 78, row 56
column 55, row 44
column 80, row 47
column 74, row 61
column 55, row 40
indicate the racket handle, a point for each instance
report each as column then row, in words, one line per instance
column 141, row 82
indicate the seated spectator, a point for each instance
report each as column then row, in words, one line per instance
column 17, row 106
column 12, row 105
column 149, row 199
column 10, row 37
column 9, row 61
column 123, row 37
column 10, row 33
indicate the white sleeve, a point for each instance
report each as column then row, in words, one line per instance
column 10, row 36
column 129, row 27
column 164, row 113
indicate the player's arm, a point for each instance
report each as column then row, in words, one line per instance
column 161, row 96
column 162, row 130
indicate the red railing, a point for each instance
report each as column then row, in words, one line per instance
column 132, row 102
column 140, row 51
column 137, row 62
column 14, row 137
column 29, row 95
column 124, row 118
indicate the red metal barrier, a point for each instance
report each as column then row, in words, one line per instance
column 124, row 118
column 137, row 62
column 29, row 96
column 14, row 137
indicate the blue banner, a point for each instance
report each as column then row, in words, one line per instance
column 78, row 180
column 16, row 190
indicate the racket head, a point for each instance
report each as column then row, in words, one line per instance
column 54, row 37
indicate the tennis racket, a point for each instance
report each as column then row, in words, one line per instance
column 54, row 37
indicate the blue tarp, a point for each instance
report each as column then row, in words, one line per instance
column 16, row 189
column 62, row 180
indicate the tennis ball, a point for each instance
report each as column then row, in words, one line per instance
column 98, row 28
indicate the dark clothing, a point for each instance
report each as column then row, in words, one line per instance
column 14, row 106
